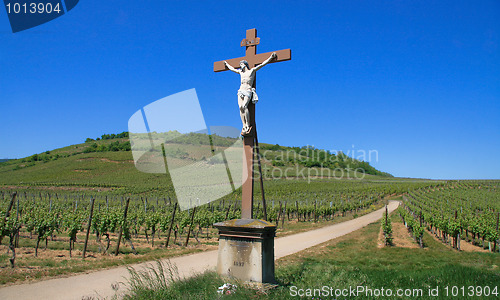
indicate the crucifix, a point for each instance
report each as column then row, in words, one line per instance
column 247, row 98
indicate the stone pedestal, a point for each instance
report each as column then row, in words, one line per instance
column 246, row 250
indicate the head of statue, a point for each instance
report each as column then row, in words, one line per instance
column 244, row 64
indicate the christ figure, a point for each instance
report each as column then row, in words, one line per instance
column 247, row 93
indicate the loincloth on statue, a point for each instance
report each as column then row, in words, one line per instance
column 252, row 94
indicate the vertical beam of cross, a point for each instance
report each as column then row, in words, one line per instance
column 250, row 42
column 248, row 141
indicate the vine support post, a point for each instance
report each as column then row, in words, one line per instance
column 497, row 240
column 18, row 215
column 7, row 213
column 457, row 237
column 283, row 217
column 315, row 211
column 11, row 204
column 11, row 234
column 124, row 223
column 88, row 227
column 278, row 216
column 297, row 209
column 190, row 227
column 229, row 209
column 171, row 224
column 386, row 215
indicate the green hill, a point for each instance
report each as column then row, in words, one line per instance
column 106, row 164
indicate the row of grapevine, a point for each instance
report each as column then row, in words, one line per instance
column 459, row 210
column 387, row 228
column 414, row 225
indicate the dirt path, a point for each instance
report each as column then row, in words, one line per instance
column 99, row 284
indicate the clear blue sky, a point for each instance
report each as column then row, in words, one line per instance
column 418, row 81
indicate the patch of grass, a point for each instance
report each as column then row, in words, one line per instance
column 350, row 261
column 355, row 260
column 162, row 281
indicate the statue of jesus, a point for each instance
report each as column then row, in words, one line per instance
column 247, row 93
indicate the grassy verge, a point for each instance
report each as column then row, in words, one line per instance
column 350, row 261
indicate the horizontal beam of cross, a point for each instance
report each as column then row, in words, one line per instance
column 282, row 55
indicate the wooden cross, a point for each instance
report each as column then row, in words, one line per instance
column 250, row 42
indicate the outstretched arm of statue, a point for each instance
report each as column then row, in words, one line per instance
column 273, row 56
column 230, row 67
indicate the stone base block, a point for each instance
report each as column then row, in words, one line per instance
column 246, row 250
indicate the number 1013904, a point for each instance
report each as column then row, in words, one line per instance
column 33, row 8
column 471, row 291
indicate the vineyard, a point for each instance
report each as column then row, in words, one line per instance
column 87, row 203
column 464, row 210
column 105, row 225
column 92, row 224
